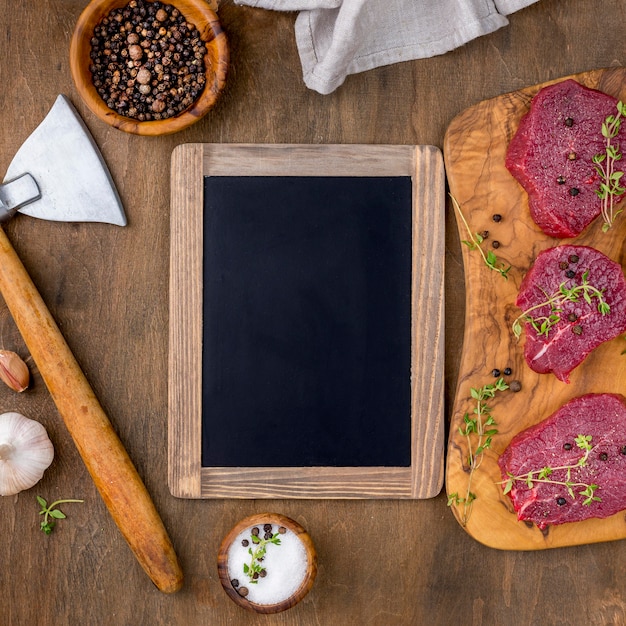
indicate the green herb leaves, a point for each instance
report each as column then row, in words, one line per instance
column 478, row 430
column 610, row 185
column 254, row 570
column 542, row 324
column 543, row 475
column 51, row 513
column 475, row 240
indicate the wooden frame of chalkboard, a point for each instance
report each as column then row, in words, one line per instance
column 422, row 477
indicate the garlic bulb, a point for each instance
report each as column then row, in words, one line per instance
column 25, row 453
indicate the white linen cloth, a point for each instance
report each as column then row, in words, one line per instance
column 336, row 38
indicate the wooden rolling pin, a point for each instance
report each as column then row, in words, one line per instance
column 104, row 455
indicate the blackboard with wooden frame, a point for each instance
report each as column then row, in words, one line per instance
column 189, row 475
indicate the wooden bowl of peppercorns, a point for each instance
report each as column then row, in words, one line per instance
column 148, row 67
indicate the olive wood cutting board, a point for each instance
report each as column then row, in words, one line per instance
column 474, row 151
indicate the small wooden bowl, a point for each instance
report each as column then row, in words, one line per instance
column 216, row 61
column 259, row 520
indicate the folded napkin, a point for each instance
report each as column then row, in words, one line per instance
column 336, row 38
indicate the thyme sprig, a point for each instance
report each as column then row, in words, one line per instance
column 51, row 511
column 610, row 185
column 474, row 242
column 542, row 324
column 544, row 474
column 254, row 569
column 478, row 430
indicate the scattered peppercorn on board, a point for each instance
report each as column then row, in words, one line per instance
column 422, row 475
column 474, row 152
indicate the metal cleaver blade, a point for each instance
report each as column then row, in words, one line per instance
column 59, row 174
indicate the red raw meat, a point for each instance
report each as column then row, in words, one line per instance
column 551, row 156
column 552, row 443
column 581, row 327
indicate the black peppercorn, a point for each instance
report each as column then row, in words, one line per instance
column 484, row 234
column 560, row 180
column 497, row 217
column 577, row 330
column 569, row 122
column 267, row 536
column 245, row 543
column 572, row 317
column 567, row 446
column 623, row 450
column 561, row 501
column 235, row 583
column 604, row 456
column 573, row 258
column 267, row 527
column 495, row 373
column 255, row 531
column 508, row 371
column 570, row 273
column 495, row 244
column 574, row 191
column 129, row 39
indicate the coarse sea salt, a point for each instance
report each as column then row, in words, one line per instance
column 285, row 564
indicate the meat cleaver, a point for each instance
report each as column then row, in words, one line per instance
column 59, row 174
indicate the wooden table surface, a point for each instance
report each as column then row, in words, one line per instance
column 380, row 562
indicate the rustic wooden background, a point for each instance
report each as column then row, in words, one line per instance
column 381, row 562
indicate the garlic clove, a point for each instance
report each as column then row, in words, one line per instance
column 13, row 371
column 25, row 453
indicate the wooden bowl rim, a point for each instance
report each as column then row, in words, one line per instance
column 204, row 19
column 249, row 522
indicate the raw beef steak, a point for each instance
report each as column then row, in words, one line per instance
column 551, row 155
column 555, row 443
column 578, row 326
